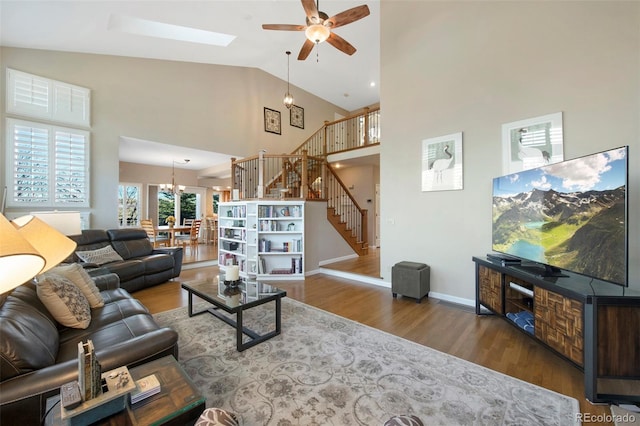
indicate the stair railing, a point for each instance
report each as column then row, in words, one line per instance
column 340, row 200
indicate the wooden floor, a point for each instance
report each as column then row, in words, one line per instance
column 456, row 330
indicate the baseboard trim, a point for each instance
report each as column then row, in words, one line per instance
column 337, row 259
column 452, row 299
column 194, row 265
column 350, row 276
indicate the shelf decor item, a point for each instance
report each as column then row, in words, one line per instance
column 296, row 116
column 272, row 121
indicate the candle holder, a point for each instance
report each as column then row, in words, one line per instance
column 232, row 284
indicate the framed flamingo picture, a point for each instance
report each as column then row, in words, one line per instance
column 531, row 143
column 442, row 163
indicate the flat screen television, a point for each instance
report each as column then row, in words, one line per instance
column 570, row 216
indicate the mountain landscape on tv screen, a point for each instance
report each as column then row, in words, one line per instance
column 582, row 232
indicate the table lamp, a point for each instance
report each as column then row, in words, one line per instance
column 19, row 260
column 29, row 247
column 49, row 242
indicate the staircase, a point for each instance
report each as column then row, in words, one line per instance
column 305, row 174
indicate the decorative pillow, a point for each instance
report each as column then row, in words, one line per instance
column 100, row 256
column 217, row 417
column 77, row 275
column 65, row 301
column 404, row 420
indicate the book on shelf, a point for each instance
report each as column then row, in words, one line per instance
column 145, row 387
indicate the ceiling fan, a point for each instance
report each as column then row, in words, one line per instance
column 319, row 26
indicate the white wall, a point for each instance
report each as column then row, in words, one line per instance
column 210, row 107
column 451, row 66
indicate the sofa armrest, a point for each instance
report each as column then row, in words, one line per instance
column 177, row 254
column 109, row 281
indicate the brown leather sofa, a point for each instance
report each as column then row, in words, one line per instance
column 38, row 355
column 142, row 265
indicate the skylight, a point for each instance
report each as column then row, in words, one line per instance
column 144, row 27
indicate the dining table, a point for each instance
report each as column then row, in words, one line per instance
column 172, row 230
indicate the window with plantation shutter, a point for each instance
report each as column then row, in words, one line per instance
column 47, row 165
column 38, row 97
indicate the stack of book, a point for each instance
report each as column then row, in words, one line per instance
column 145, row 387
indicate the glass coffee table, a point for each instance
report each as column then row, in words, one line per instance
column 236, row 300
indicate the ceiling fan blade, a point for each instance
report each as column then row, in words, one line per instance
column 341, row 44
column 348, row 16
column 283, row 27
column 311, row 10
column 307, row 47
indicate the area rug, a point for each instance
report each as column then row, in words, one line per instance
column 327, row 370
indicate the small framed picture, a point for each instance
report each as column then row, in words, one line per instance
column 442, row 163
column 531, row 143
column 272, row 121
column 296, row 115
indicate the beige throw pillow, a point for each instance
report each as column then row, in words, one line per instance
column 65, row 301
column 81, row 278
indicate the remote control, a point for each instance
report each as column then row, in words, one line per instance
column 70, row 395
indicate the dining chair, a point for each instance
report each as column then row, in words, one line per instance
column 192, row 237
column 150, row 229
column 211, row 225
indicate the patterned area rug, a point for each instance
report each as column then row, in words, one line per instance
column 327, row 370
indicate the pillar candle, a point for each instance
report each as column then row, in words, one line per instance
column 233, row 273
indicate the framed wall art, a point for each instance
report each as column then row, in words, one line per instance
column 296, row 116
column 272, row 121
column 531, row 143
column 442, row 163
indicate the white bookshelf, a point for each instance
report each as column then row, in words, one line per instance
column 265, row 238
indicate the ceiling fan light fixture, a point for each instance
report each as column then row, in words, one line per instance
column 317, row 33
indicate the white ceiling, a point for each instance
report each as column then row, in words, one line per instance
column 83, row 26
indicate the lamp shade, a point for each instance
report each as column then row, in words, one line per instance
column 19, row 260
column 50, row 243
column 66, row 222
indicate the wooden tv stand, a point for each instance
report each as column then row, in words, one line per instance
column 593, row 324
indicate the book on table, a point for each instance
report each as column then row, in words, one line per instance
column 145, row 387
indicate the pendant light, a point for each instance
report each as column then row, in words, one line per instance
column 172, row 188
column 288, row 99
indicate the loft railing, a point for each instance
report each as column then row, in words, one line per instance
column 345, row 134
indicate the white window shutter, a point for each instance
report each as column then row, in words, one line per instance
column 71, row 167
column 47, row 165
column 28, row 94
column 38, row 97
column 29, row 156
column 71, row 104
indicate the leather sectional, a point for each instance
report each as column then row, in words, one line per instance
column 38, row 355
column 142, row 265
